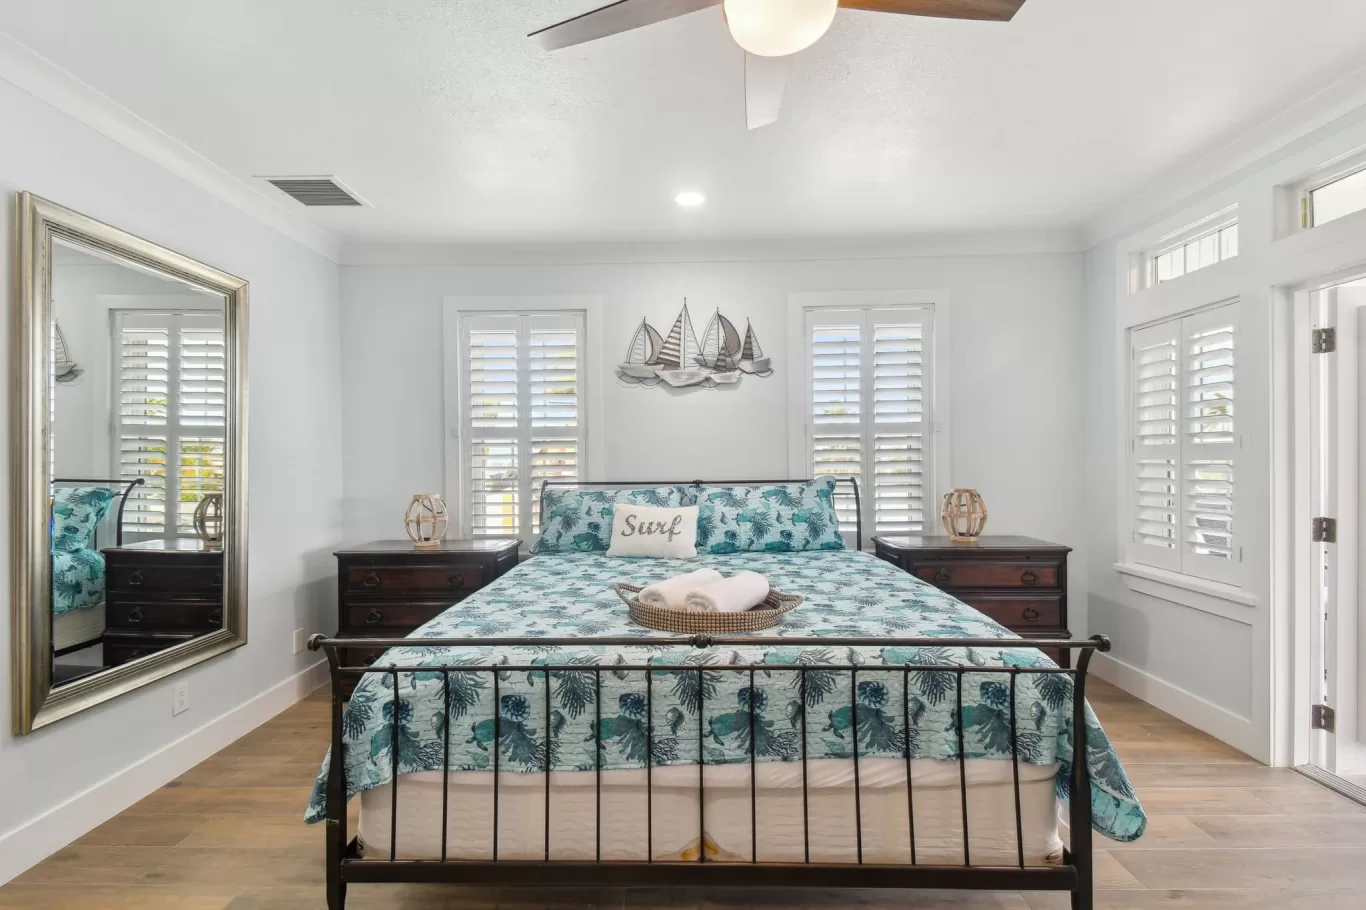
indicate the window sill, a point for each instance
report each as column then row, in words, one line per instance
column 1228, row 601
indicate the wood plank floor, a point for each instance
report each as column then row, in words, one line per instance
column 1226, row 834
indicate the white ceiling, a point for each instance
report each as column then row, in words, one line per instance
column 455, row 127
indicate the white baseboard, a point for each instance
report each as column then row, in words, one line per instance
column 1218, row 722
column 33, row 842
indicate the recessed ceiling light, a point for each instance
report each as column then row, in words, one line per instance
column 690, row 199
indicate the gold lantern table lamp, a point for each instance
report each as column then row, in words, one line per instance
column 426, row 520
column 964, row 514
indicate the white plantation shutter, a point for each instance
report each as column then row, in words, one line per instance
column 898, row 431
column 171, row 384
column 869, row 415
column 1185, row 445
column 521, row 416
column 1208, row 380
column 1154, row 386
column 836, row 429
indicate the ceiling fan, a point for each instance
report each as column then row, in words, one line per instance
column 769, row 31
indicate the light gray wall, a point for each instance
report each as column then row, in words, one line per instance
column 1017, row 376
column 294, row 439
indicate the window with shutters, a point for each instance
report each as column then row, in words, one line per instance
column 869, row 417
column 520, row 416
column 1184, row 446
column 170, row 379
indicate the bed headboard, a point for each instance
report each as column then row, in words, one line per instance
column 127, row 487
column 846, row 489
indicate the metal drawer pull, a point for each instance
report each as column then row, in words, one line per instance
column 135, row 580
column 942, row 577
column 371, row 580
column 1030, row 614
column 1029, row 578
column 136, row 615
column 456, row 581
column 374, row 618
column 216, row 581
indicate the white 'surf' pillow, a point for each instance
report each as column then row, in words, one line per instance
column 660, row 531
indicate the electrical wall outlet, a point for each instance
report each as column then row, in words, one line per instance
column 300, row 640
column 180, row 697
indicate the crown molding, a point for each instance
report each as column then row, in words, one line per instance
column 914, row 246
column 1239, row 153
column 29, row 71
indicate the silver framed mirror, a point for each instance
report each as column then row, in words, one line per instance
column 128, row 440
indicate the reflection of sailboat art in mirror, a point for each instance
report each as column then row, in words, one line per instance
column 722, row 358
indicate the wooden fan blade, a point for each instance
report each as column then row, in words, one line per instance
column 988, row 10
column 613, row 19
column 765, row 82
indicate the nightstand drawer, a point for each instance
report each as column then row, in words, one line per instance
column 1020, row 614
column 966, row 574
column 391, row 579
column 122, row 649
column 398, row 615
column 163, row 578
column 164, row 616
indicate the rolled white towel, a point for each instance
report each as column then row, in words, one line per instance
column 671, row 592
column 730, row 595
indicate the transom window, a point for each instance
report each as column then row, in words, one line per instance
column 1199, row 246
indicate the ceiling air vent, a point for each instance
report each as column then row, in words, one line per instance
column 314, row 191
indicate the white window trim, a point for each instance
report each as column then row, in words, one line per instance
column 591, row 459
column 799, row 380
column 1228, row 601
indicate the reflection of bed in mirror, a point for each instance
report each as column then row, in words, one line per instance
column 86, row 515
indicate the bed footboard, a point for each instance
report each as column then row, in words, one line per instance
column 347, row 864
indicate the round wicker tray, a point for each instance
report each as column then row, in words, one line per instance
column 768, row 614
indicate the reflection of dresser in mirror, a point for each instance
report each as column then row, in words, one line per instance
column 160, row 593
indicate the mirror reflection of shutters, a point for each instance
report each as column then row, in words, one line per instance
column 171, row 412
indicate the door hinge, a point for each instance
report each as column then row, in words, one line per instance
column 1325, row 340
column 1322, row 717
column 1325, row 530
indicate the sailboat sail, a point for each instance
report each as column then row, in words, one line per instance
column 669, row 354
column 656, row 342
column 751, row 350
column 638, row 352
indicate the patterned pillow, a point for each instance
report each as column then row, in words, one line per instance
column 75, row 513
column 575, row 520
column 777, row 518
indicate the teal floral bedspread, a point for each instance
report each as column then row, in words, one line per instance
column 77, row 580
column 848, row 594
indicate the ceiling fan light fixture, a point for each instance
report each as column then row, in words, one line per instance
column 776, row 28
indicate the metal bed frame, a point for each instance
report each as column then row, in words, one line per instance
column 346, row 864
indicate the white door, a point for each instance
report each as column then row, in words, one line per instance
column 1338, row 632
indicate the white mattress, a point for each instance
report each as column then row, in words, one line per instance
column 76, row 626
column 830, row 812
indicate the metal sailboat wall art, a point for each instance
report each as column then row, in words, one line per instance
column 722, row 358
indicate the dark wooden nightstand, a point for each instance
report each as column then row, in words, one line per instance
column 388, row 588
column 159, row 593
column 1018, row 581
